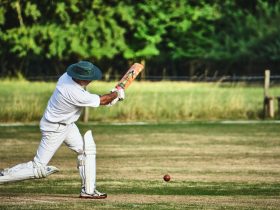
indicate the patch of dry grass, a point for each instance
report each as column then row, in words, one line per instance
column 208, row 202
column 150, row 101
column 212, row 167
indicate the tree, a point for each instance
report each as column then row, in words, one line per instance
column 176, row 37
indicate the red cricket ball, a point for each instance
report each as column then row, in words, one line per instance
column 166, row 178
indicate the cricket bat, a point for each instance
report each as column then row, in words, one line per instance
column 130, row 75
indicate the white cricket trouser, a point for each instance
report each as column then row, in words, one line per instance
column 53, row 135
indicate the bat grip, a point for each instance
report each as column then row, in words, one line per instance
column 119, row 86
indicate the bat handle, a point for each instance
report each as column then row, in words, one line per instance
column 120, row 85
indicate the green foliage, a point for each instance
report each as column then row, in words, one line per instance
column 31, row 10
column 190, row 27
column 166, row 31
column 245, row 34
column 2, row 16
column 90, row 33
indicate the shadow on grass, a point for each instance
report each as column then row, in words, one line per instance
column 145, row 187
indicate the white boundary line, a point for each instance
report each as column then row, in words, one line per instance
column 251, row 122
column 157, row 123
column 18, row 124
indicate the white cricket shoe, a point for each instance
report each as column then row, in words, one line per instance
column 96, row 195
column 4, row 171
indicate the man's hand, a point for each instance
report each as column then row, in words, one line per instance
column 113, row 102
column 120, row 92
column 108, row 98
column 120, row 96
column 117, row 94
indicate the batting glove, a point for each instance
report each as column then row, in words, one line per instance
column 113, row 102
column 120, row 91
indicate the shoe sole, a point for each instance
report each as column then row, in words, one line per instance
column 93, row 197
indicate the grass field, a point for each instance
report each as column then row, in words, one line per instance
column 212, row 165
column 149, row 101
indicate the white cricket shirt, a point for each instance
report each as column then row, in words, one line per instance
column 67, row 101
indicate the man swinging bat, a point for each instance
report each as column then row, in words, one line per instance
column 58, row 126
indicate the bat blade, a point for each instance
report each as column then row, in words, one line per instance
column 130, row 75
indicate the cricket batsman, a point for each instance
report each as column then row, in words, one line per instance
column 58, row 126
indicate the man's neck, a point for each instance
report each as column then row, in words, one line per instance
column 82, row 83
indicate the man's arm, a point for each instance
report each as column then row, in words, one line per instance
column 108, row 98
column 117, row 94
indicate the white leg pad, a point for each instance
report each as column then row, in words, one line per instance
column 89, row 162
column 24, row 171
